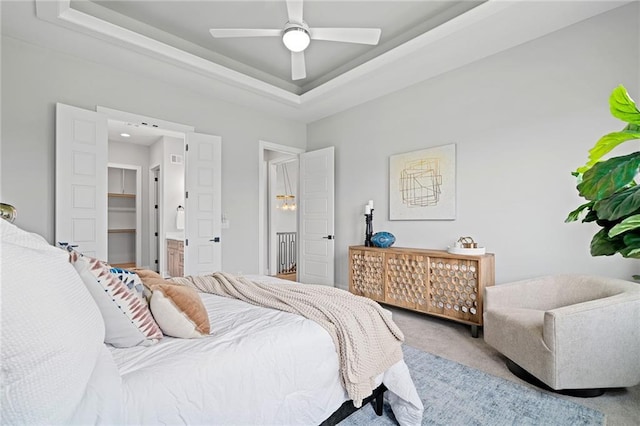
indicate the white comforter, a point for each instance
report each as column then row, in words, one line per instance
column 259, row 367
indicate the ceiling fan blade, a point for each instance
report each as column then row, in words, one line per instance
column 348, row 35
column 298, row 68
column 294, row 9
column 244, row 32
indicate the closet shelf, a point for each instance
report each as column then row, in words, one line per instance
column 122, row 209
column 118, row 195
column 121, row 231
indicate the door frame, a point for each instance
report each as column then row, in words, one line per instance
column 168, row 127
column 155, row 242
column 263, row 192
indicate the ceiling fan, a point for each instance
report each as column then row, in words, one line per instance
column 296, row 36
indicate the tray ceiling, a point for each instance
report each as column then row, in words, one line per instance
column 170, row 40
column 186, row 24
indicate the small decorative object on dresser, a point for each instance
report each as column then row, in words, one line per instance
column 433, row 282
column 466, row 245
column 383, row 239
column 368, row 220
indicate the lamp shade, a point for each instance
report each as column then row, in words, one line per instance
column 296, row 39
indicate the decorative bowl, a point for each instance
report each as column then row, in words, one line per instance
column 383, row 239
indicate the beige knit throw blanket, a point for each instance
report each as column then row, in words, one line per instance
column 367, row 341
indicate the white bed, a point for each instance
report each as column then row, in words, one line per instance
column 258, row 367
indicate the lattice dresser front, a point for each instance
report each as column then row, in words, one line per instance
column 366, row 274
column 434, row 282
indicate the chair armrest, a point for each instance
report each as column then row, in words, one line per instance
column 596, row 335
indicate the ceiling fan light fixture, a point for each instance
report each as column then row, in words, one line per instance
column 296, row 38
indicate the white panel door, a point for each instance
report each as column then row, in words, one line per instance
column 316, row 217
column 81, row 180
column 203, row 213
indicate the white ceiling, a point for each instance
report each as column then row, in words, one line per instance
column 420, row 40
column 138, row 133
column 185, row 24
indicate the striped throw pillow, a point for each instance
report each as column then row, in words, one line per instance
column 128, row 321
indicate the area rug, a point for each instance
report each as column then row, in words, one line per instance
column 454, row 394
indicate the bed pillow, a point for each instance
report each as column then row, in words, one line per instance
column 132, row 281
column 127, row 319
column 179, row 311
column 52, row 340
column 146, row 273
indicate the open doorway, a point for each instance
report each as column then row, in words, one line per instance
column 278, row 258
column 82, row 155
column 283, row 217
column 315, row 263
column 159, row 198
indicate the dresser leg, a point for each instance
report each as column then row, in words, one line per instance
column 474, row 331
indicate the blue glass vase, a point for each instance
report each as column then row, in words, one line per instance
column 383, row 239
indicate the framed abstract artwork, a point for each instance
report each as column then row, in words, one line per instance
column 422, row 184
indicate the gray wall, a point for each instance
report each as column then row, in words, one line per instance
column 522, row 121
column 34, row 79
column 172, row 182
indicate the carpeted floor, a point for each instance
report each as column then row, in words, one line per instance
column 454, row 394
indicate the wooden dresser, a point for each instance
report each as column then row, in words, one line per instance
column 433, row 282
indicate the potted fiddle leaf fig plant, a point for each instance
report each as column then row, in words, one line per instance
column 610, row 186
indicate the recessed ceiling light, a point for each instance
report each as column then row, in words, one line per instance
column 125, row 135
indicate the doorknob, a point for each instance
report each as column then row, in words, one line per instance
column 329, row 237
column 215, row 239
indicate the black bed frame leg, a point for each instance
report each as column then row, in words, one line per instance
column 378, row 403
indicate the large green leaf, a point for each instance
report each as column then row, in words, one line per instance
column 630, row 223
column 631, row 252
column 623, row 107
column 632, row 239
column 575, row 215
column 619, row 205
column 607, row 143
column 632, row 245
column 592, row 216
column 607, row 177
column 602, row 245
column 634, row 254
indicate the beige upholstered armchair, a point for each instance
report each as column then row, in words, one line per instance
column 571, row 332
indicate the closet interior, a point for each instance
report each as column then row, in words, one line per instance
column 122, row 216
